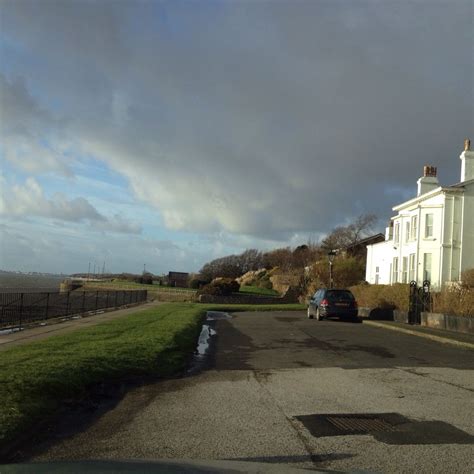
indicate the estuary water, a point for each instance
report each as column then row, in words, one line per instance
column 17, row 282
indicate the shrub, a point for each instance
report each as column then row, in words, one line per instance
column 467, row 278
column 223, row 287
column 382, row 296
column 456, row 300
column 196, row 283
column 346, row 271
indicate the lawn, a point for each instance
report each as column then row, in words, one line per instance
column 131, row 285
column 255, row 290
column 36, row 378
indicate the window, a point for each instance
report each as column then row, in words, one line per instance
column 414, row 224
column 404, row 269
column 377, row 275
column 411, row 275
column 396, row 236
column 407, row 232
column 427, row 266
column 429, row 225
column 395, row 270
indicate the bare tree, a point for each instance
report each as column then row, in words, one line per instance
column 342, row 237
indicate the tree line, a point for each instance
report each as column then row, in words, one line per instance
column 287, row 259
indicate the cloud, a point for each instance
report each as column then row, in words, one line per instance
column 263, row 119
column 29, row 200
column 31, row 246
column 32, row 139
column 118, row 223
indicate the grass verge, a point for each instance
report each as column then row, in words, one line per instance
column 131, row 285
column 256, row 290
column 36, row 378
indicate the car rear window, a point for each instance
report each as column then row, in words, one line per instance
column 340, row 294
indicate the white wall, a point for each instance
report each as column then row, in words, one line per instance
column 467, row 253
column 379, row 255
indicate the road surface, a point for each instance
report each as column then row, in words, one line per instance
column 268, row 385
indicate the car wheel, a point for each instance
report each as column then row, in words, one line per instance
column 318, row 315
column 310, row 316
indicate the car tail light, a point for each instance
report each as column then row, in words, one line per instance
column 324, row 302
column 355, row 305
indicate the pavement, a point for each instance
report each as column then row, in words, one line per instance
column 269, row 378
column 443, row 336
column 58, row 326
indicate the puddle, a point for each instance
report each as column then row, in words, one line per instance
column 206, row 342
column 217, row 315
column 10, row 331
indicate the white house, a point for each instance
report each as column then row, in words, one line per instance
column 432, row 235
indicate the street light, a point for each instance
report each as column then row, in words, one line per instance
column 331, row 255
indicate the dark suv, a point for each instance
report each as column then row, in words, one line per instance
column 332, row 302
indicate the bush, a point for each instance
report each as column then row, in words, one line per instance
column 346, row 271
column 196, row 283
column 146, row 279
column 455, row 300
column 223, row 287
column 264, row 282
column 467, row 278
column 382, row 296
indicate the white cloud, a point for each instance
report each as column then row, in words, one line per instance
column 29, row 199
column 118, row 223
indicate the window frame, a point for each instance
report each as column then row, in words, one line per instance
column 411, row 266
column 414, row 227
column 396, row 233
column 427, row 271
column 404, row 269
column 395, row 270
column 429, row 225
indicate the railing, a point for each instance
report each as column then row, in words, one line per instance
column 17, row 309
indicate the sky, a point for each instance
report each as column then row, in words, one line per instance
column 172, row 133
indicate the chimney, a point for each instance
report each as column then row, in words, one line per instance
column 429, row 181
column 467, row 162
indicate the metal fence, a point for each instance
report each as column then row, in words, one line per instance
column 17, row 309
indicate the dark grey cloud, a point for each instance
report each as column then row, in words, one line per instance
column 265, row 118
column 31, row 137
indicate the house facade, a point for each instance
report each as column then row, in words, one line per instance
column 432, row 235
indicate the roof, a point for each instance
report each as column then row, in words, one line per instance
column 459, row 188
column 367, row 240
column 462, row 184
column 178, row 274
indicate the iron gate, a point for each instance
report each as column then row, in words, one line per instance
column 420, row 300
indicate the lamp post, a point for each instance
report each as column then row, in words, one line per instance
column 331, row 255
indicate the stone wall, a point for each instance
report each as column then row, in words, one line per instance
column 380, row 314
column 291, row 296
column 446, row 321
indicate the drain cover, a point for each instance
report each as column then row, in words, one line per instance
column 389, row 428
column 351, row 424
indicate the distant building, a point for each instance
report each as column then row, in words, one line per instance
column 432, row 235
column 359, row 249
column 178, row 279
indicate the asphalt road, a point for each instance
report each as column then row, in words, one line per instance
column 265, row 386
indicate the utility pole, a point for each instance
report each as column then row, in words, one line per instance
column 144, row 268
column 89, row 271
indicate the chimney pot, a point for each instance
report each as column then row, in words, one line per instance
column 430, row 171
column 467, row 144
